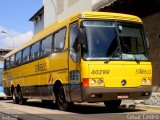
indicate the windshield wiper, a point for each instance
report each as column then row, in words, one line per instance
column 136, row 59
column 127, row 47
column 111, row 56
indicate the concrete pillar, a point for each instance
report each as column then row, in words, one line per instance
column 152, row 29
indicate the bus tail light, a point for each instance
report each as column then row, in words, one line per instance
column 85, row 82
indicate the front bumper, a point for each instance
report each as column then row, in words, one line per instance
column 100, row 94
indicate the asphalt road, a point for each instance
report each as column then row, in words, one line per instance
column 35, row 110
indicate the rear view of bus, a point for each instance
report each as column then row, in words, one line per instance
column 115, row 63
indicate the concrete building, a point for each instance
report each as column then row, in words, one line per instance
column 54, row 10
column 63, row 8
column 38, row 20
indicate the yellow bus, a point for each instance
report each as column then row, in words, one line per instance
column 89, row 57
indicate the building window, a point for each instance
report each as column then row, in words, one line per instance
column 59, row 40
column 46, row 46
column 40, row 17
column 36, row 20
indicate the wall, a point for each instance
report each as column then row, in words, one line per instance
column 49, row 12
column 62, row 9
column 152, row 28
column 39, row 24
column 74, row 6
column 97, row 4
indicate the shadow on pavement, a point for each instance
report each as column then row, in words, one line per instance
column 81, row 108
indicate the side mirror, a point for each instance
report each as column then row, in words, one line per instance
column 81, row 35
column 147, row 40
column 82, row 38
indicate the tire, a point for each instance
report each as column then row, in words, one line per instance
column 15, row 98
column 112, row 105
column 63, row 105
column 22, row 101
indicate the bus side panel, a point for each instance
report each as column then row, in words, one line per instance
column 7, row 82
column 37, row 79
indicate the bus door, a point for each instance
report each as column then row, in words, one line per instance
column 74, row 64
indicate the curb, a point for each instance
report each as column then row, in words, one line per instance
column 148, row 107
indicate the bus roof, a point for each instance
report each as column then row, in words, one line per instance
column 82, row 15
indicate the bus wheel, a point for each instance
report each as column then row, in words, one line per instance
column 112, row 105
column 61, row 100
column 22, row 101
column 14, row 97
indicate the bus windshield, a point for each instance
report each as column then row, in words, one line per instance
column 111, row 40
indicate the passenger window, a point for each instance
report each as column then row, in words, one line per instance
column 25, row 57
column 7, row 63
column 59, row 40
column 12, row 58
column 73, row 43
column 35, row 50
column 18, row 58
column 46, row 46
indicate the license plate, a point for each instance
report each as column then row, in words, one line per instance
column 123, row 96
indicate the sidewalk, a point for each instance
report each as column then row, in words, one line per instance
column 131, row 104
column 148, row 107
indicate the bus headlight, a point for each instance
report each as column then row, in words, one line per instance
column 96, row 82
column 92, row 82
column 146, row 81
column 143, row 81
column 100, row 82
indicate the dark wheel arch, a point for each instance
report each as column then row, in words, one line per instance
column 112, row 105
column 12, row 89
column 21, row 100
column 56, row 87
column 61, row 101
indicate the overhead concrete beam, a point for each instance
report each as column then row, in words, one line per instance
column 97, row 4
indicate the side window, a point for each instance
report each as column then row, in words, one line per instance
column 73, row 42
column 35, row 50
column 46, row 47
column 59, row 40
column 12, row 63
column 7, row 63
column 25, row 57
column 18, row 58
